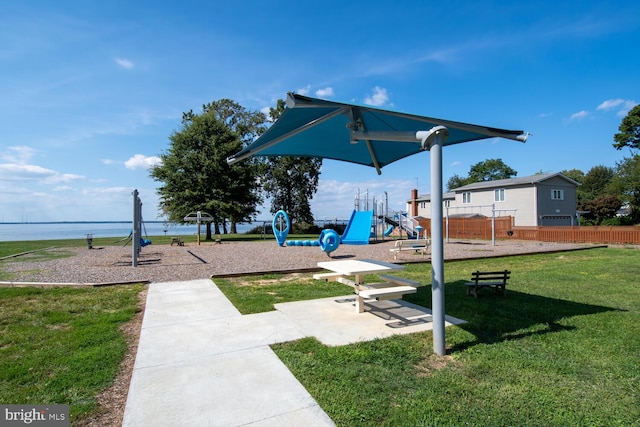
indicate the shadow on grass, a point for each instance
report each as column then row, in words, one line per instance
column 493, row 318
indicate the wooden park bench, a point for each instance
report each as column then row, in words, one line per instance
column 416, row 245
column 177, row 240
column 495, row 279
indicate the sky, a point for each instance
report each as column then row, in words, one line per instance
column 91, row 91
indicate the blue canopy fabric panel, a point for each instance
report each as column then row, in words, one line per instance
column 312, row 127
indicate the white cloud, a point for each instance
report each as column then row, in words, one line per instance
column 20, row 172
column 324, row 93
column 62, row 177
column 140, row 161
column 579, row 115
column 267, row 113
column 335, row 199
column 107, row 161
column 610, row 103
column 456, row 163
column 19, row 154
column 304, row 91
column 622, row 105
column 378, row 97
column 124, row 63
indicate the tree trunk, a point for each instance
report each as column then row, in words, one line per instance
column 208, row 232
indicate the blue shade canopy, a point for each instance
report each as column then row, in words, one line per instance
column 311, row 127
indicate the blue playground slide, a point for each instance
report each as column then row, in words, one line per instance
column 358, row 229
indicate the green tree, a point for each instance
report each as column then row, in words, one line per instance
column 491, row 170
column 575, row 174
column 291, row 182
column 488, row 170
column 456, row 181
column 597, row 182
column 629, row 135
column 627, row 183
column 601, row 208
column 195, row 175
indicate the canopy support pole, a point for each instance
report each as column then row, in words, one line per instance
column 437, row 241
column 135, row 228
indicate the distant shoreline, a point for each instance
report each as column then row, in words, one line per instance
column 75, row 222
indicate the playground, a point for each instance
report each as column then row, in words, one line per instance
column 163, row 262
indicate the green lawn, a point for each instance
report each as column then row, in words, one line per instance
column 62, row 345
column 562, row 348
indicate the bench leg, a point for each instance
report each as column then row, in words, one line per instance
column 359, row 304
column 472, row 290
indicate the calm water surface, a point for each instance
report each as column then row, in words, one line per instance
column 75, row 230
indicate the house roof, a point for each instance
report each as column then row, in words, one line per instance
column 524, row 180
column 427, row 197
column 498, row 183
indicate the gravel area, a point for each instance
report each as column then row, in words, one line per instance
column 162, row 263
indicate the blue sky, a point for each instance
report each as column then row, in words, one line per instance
column 91, row 91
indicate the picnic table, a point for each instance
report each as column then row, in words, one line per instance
column 352, row 272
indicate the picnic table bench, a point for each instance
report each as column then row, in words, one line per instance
column 494, row 279
column 393, row 287
column 417, row 245
column 177, row 240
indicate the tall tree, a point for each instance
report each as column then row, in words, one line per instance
column 578, row 176
column 491, row 170
column 488, row 170
column 629, row 135
column 456, row 181
column 291, row 182
column 627, row 184
column 596, row 182
column 575, row 174
column 195, row 175
column 627, row 179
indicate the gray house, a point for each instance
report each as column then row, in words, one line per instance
column 546, row 199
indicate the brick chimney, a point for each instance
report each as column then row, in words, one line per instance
column 414, row 202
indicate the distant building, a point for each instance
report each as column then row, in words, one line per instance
column 546, row 199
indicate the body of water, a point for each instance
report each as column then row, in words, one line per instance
column 79, row 230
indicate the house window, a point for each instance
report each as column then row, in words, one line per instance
column 498, row 195
column 447, row 203
column 557, row 194
column 466, row 197
column 423, row 205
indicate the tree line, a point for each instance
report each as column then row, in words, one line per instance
column 603, row 191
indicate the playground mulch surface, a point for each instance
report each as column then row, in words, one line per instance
column 162, row 263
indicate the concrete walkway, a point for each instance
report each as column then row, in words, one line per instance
column 200, row 362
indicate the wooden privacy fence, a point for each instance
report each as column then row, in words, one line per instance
column 480, row 228
column 585, row 234
column 472, row 228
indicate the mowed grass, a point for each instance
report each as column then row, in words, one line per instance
column 258, row 294
column 62, row 345
column 562, row 348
